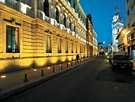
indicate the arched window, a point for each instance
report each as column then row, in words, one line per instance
column 79, row 15
column 74, row 29
column 46, row 8
column 59, row 42
column 57, row 15
column 70, row 25
column 72, row 47
column 70, row 1
column 48, row 44
column 65, row 21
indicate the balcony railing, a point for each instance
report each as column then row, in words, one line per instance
column 12, row 3
column 73, row 12
column 52, row 21
column 19, row 6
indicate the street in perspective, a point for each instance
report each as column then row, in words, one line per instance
column 67, row 51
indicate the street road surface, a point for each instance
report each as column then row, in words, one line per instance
column 91, row 82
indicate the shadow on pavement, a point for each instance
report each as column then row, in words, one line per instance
column 117, row 76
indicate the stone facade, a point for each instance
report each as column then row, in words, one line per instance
column 91, row 37
column 122, row 38
column 41, row 32
column 131, row 25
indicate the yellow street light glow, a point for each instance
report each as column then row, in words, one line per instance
column 126, row 31
column 34, row 70
column 3, row 76
column 48, row 68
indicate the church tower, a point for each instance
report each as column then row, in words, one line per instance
column 117, row 26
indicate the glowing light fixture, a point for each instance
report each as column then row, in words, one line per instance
column 48, row 68
column 3, row 76
column 34, row 70
column 126, row 31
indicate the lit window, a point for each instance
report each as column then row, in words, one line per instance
column 48, row 44
column 70, row 25
column 74, row 29
column 59, row 45
column 72, row 48
column 81, row 49
column 65, row 21
column 12, row 39
column 66, row 47
column 76, row 48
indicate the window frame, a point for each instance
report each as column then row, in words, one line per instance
column 16, row 39
column 59, row 41
column 48, row 44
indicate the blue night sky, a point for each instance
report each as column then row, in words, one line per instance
column 102, row 12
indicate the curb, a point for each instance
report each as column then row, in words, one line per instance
column 31, row 84
column 28, row 85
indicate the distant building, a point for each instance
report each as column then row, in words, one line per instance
column 116, row 28
column 95, row 43
column 91, row 37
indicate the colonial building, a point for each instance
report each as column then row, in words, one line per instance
column 131, row 26
column 91, row 37
column 95, row 44
column 41, row 32
column 123, row 40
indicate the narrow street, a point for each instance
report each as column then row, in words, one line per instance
column 64, row 50
column 92, row 82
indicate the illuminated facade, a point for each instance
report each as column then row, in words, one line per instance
column 131, row 26
column 91, row 38
column 95, row 44
column 123, row 40
column 89, row 35
column 41, row 32
column 116, row 28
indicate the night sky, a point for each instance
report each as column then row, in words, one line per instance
column 102, row 12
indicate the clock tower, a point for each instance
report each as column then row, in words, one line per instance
column 116, row 28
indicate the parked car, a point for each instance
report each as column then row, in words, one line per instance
column 122, row 62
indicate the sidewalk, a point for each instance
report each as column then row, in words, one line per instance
column 15, row 82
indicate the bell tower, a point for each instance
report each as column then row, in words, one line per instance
column 116, row 28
